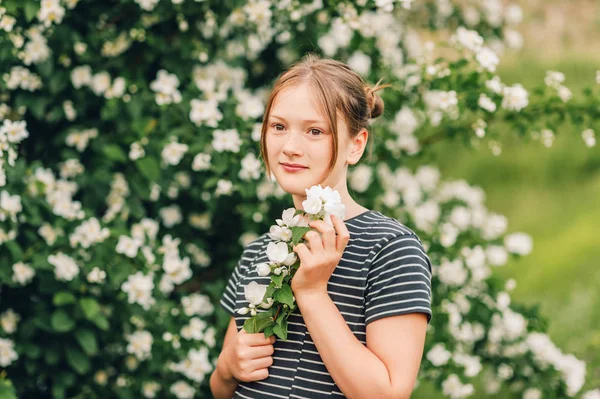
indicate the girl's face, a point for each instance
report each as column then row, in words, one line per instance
column 297, row 135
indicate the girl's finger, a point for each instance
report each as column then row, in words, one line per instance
column 328, row 234
column 314, row 241
column 343, row 235
column 303, row 252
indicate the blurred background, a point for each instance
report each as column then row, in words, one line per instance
column 553, row 193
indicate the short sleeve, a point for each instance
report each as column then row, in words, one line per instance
column 399, row 280
column 229, row 294
column 248, row 255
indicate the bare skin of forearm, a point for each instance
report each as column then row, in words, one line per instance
column 222, row 383
column 357, row 371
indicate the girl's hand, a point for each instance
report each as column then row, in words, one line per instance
column 250, row 356
column 320, row 257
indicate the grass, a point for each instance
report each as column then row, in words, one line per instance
column 552, row 194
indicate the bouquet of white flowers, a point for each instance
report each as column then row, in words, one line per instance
column 277, row 298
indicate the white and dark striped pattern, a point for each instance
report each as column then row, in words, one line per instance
column 384, row 271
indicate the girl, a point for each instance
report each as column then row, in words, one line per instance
column 363, row 288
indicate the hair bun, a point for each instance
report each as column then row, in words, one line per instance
column 374, row 102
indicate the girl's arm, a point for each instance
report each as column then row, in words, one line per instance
column 385, row 369
column 222, row 382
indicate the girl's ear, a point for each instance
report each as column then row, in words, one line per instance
column 357, row 146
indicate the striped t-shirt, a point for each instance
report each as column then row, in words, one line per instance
column 384, row 271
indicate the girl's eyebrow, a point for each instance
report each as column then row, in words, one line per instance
column 306, row 121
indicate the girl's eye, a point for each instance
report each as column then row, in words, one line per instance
column 276, row 125
column 312, row 131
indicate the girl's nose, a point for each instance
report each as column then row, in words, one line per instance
column 292, row 145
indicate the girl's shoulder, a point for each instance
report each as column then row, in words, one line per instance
column 375, row 224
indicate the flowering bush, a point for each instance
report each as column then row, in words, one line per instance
column 130, row 181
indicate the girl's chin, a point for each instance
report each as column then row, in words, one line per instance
column 297, row 187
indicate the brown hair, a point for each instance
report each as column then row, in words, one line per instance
column 337, row 88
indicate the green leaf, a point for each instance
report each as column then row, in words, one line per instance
column 101, row 322
column 7, row 390
column 63, row 298
column 61, row 321
column 87, row 340
column 148, row 166
column 90, row 307
column 32, row 351
column 277, row 279
column 78, row 360
column 114, row 152
column 299, row 212
column 281, row 330
column 15, row 250
column 298, row 232
column 51, row 355
column 31, row 9
column 258, row 323
column 284, row 295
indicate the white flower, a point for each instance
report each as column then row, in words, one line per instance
column 487, row 59
column 255, row 293
column 360, row 62
column 7, row 352
column 22, row 273
column 9, row 320
column 334, row 208
column 171, row 215
column 515, row 97
column 10, row 204
column 201, row 162
column 279, row 233
column 532, row 393
column 469, row 39
column 206, row 112
column 288, row 219
column 452, row 273
column 496, row 255
column 226, row 140
column 554, row 79
column 139, row 289
column 360, row 178
column 438, row 355
column 495, row 85
column 65, row 268
column 249, row 106
column 589, row 137
column 136, row 151
column 150, row 388
column 518, row 243
column 140, row 344
column 595, row 394
column 147, row 5
column 472, row 364
column 165, row 86
column 96, row 275
column 14, row 132
column 454, row 388
column 486, row 103
column 250, row 167
column 290, row 259
column 564, row 93
column 224, row 187
column 197, row 304
column 174, row 152
column 263, row 269
column 277, row 252
column 128, row 246
column 312, row 205
column 182, row 390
